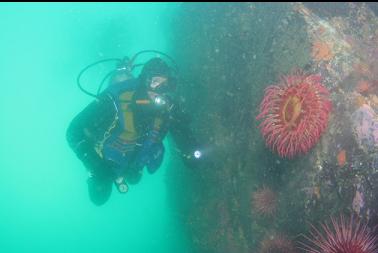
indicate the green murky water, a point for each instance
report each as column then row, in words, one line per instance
column 44, row 200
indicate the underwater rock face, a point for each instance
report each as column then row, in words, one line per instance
column 232, row 51
column 365, row 124
column 277, row 243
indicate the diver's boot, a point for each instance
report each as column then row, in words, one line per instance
column 121, row 184
column 99, row 189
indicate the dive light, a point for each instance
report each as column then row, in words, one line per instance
column 159, row 101
column 197, row 154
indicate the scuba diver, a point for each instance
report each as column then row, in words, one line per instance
column 122, row 131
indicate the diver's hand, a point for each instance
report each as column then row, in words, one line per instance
column 162, row 103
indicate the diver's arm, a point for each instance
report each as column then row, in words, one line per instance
column 75, row 133
column 86, row 127
column 186, row 142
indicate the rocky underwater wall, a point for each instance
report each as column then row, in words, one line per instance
column 250, row 198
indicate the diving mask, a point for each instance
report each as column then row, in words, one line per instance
column 158, row 83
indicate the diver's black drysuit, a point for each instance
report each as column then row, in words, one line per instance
column 89, row 128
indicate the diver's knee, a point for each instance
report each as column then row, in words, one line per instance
column 133, row 176
column 152, row 168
